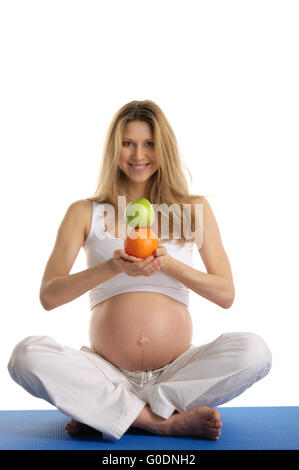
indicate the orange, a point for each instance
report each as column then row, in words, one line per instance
column 142, row 244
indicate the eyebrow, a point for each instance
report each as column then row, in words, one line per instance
column 128, row 138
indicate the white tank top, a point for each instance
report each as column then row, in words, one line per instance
column 99, row 247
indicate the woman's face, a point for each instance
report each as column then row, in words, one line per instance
column 137, row 158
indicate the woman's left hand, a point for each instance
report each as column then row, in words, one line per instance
column 161, row 256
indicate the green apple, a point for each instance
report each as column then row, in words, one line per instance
column 140, row 213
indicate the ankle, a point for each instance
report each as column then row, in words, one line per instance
column 151, row 422
column 170, row 424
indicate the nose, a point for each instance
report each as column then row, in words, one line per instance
column 139, row 153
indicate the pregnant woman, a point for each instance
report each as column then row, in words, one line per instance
column 141, row 368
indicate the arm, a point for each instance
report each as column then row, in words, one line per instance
column 58, row 286
column 63, row 289
column 217, row 284
column 217, row 289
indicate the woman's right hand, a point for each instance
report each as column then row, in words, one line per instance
column 135, row 266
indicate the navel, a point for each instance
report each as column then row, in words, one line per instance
column 142, row 340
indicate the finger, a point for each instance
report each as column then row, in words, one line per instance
column 151, row 271
column 146, row 266
column 132, row 258
column 120, row 257
column 129, row 257
column 160, row 251
column 152, row 268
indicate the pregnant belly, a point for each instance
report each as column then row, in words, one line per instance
column 140, row 330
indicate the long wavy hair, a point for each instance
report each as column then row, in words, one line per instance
column 167, row 186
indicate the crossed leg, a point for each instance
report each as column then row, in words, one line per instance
column 200, row 422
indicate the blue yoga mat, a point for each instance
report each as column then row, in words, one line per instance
column 244, row 428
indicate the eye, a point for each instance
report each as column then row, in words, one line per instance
column 127, row 142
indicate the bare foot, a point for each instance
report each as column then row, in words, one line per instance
column 201, row 422
column 75, row 427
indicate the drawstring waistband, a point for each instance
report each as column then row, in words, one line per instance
column 141, row 376
column 145, row 377
column 138, row 376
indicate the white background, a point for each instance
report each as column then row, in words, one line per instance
column 226, row 75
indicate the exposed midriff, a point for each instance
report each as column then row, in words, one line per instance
column 140, row 330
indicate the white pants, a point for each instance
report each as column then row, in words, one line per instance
column 89, row 389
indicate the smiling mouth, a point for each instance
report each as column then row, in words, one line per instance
column 139, row 167
column 135, row 164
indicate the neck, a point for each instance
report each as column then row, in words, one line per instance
column 136, row 193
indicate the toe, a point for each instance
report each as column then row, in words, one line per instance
column 213, row 435
column 215, row 415
column 73, row 427
column 212, row 426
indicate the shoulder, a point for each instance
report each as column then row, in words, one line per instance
column 80, row 207
column 81, row 211
column 206, row 209
column 196, row 199
column 205, row 217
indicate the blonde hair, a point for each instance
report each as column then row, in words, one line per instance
column 167, row 185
